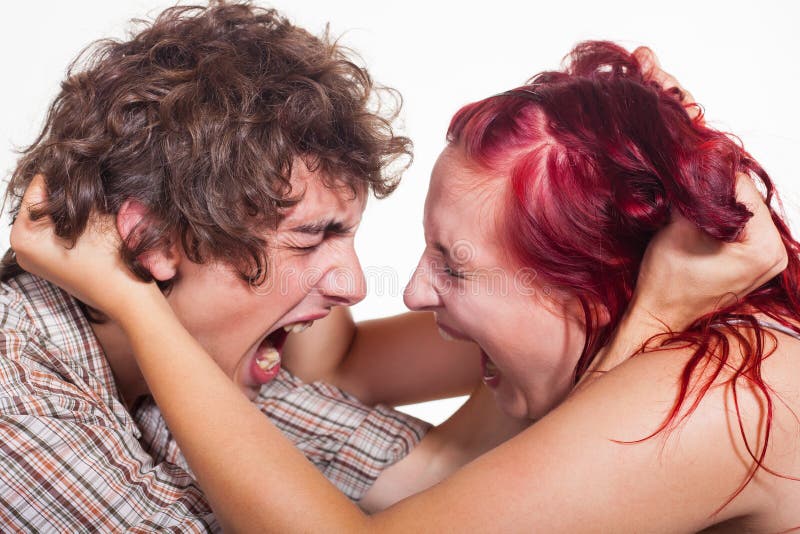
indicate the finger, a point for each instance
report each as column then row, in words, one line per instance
column 27, row 234
column 647, row 60
column 748, row 194
column 651, row 70
column 760, row 231
column 35, row 194
column 669, row 83
column 760, row 225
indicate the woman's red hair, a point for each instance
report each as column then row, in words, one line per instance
column 598, row 159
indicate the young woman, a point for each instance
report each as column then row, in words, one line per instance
column 569, row 177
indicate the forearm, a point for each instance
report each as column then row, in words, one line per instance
column 635, row 329
column 394, row 360
column 477, row 427
column 226, row 425
column 403, row 360
column 319, row 351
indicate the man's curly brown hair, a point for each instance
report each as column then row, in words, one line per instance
column 200, row 116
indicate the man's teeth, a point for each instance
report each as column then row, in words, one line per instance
column 297, row 327
column 269, row 359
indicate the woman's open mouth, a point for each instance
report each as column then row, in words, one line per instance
column 489, row 371
column 266, row 363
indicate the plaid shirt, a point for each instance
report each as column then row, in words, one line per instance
column 73, row 459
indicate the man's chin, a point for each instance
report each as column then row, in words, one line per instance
column 251, row 392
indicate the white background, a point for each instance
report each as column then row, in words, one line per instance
column 738, row 58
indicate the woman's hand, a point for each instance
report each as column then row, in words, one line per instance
column 92, row 270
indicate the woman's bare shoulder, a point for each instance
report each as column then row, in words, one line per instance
column 729, row 405
column 597, row 461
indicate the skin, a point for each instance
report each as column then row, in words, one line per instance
column 672, row 483
column 463, row 292
column 251, row 489
column 228, row 316
column 394, row 360
column 398, row 360
column 359, row 358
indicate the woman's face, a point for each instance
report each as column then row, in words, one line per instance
column 530, row 335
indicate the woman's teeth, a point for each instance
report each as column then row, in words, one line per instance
column 296, row 328
column 269, row 359
column 490, row 369
column 446, row 336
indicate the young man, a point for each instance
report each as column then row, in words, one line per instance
column 236, row 153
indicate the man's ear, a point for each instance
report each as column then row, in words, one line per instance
column 163, row 263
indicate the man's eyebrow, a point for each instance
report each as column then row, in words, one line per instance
column 322, row 227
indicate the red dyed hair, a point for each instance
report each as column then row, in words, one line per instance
column 598, row 158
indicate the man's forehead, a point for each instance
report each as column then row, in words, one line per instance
column 321, row 205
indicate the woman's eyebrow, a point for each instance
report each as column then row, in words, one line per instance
column 322, row 227
column 448, row 254
column 444, row 251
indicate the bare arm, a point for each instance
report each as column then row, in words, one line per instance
column 544, row 477
column 559, row 474
column 476, row 428
column 318, row 351
column 389, row 359
column 395, row 360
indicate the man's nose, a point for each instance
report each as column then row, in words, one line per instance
column 345, row 283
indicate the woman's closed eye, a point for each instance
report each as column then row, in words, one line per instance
column 449, row 271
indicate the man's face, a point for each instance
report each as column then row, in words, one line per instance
column 312, row 267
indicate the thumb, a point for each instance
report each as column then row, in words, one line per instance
column 26, row 233
column 35, row 194
column 648, row 62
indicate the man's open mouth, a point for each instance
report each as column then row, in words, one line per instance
column 267, row 360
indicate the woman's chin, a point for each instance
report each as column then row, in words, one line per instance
column 512, row 403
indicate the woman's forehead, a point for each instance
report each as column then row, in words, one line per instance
column 463, row 201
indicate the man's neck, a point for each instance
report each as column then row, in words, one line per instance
column 128, row 377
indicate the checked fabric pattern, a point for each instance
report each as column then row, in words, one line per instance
column 73, row 459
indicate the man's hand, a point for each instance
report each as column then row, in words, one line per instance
column 651, row 70
column 92, row 270
column 686, row 274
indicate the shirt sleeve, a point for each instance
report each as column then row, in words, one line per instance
column 349, row 442
column 67, row 465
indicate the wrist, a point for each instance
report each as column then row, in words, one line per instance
column 662, row 315
column 635, row 328
column 143, row 302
